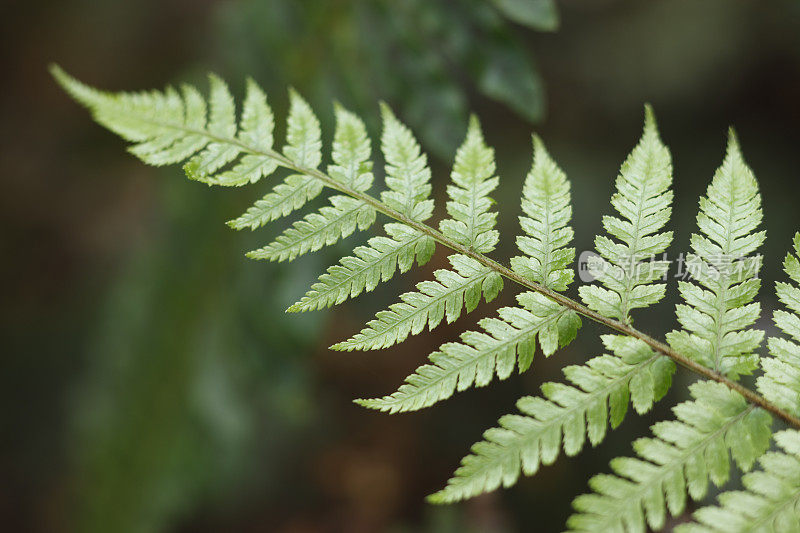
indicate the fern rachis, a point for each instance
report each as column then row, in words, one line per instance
column 716, row 341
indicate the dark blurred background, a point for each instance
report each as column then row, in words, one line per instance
column 152, row 382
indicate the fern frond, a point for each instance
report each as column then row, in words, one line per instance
column 446, row 298
column 780, row 383
column 771, row 503
column 683, row 456
column 504, row 343
column 599, row 392
column 471, row 225
column 510, row 339
column 546, row 204
column 408, row 180
column 218, row 147
column 720, row 303
column 170, row 127
column 643, row 200
column 351, row 155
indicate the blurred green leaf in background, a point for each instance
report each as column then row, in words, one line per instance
column 424, row 57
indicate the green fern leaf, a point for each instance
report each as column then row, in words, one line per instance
column 771, row 503
column 643, row 200
column 351, row 151
column 780, row 383
column 408, row 180
column 351, row 154
column 454, row 290
column 565, row 417
column 256, row 128
column 471, row 224
column 444, row 298
column 368, row 266
column 510, row 339
column 295, row 191
column 315, row 230
column 546, row 202
column 719, row 305
column 219, row 147
column 601, row 389
column 682, row 457
column 303, row 136
column 504, row 343
column 407, row 173
column 170, row 127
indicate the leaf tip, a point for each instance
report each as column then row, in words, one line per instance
column 474, row 127
column 386, row 111
column 437, row 498
column 650, row 124
column 733, row 140
column 366, row 403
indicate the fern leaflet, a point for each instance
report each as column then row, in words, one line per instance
column 408, row 179
column 546, row 202
column 683, row 456
column 351, row 153
column 471, row 225
column 444, row 298
column 643, row 199
column 504, row 342
column 771, row 503
column 781, row 380
column 720, row 304
column 599, row 390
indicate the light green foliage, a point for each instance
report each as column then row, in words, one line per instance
column 351, row 155
column 510, row 339
column 445, row 298
column 316, row 230
column 781, row 380
column 351, row 151
column 720, row 302
column 304, row 147
column 286, row 197
column 368, row 266
column 471, row 225
column 566, row 415
column 683, row 456
column 600, row 390
column 546, row 204
column 170, row 127
column 504, row 343
column 408, row 178
column 771, row 503
column 643, row 200
column 407, row 173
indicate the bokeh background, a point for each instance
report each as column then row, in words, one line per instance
column 151, row 380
